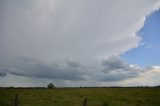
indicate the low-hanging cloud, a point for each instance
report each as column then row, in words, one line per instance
column 33, row 68
column 2, row 74
column 118, row 69
column 112, row 69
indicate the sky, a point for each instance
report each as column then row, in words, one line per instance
column 148, row 52
column 79, row 42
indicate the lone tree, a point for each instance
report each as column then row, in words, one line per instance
column 50, row 86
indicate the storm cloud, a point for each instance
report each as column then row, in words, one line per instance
column 118, row 69
column 84, row 31
column 71, row 40
column 2, row 74
column 112, row 69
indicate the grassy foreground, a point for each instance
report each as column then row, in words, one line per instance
column 74, row 97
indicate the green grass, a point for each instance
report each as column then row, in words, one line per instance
column 74, row 97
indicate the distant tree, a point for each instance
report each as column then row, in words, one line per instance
column 50, row 86
column 158, row 86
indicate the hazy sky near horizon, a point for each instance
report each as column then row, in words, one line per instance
column 79, row 42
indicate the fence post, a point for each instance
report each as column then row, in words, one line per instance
column 84, row 103
column 16, row 103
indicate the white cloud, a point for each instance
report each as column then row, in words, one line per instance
column 53, row 31
column 148, row 78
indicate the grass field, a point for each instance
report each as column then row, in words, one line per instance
column 75, row 96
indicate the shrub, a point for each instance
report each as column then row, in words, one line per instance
column 50, row 86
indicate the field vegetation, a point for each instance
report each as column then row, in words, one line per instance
column 75, row 96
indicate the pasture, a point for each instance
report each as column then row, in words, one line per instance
column 74, row 96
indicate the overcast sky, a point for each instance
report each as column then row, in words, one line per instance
column 77, row 42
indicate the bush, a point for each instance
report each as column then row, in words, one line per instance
column 50, row 86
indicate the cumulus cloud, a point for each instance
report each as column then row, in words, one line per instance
column 112, row 69
column 118, row 69
column 149, row 78
column 71, row 40
column 76, row 30
column 33, row 68
column 114, row 63
column 2, row 74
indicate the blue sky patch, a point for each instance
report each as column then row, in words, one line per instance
column 148, row 52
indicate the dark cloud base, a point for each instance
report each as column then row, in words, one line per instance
column 112, row 69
